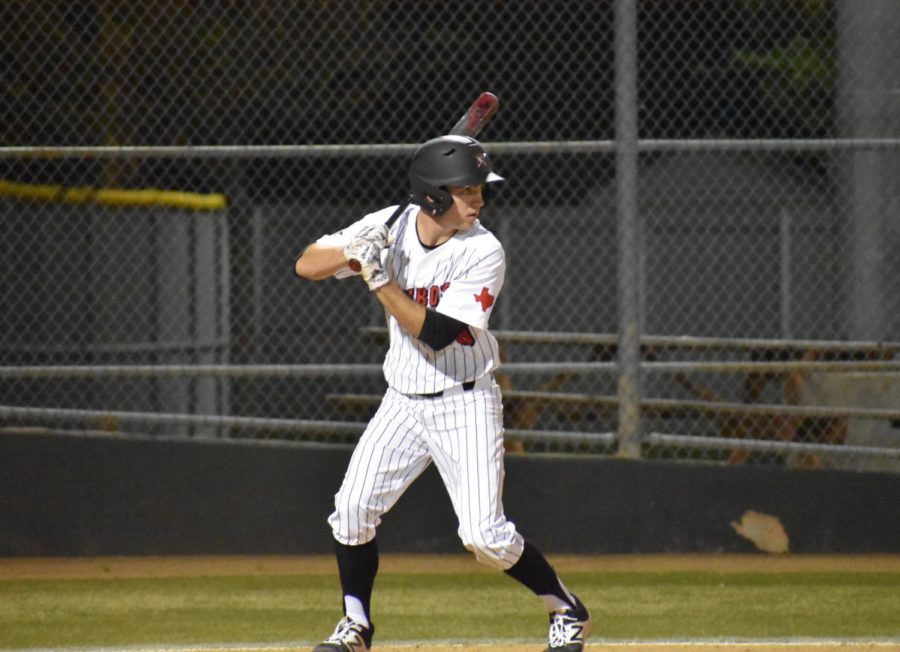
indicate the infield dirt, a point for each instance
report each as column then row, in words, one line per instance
column 61, row 568
column 661, row 647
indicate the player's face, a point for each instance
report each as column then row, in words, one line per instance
column 467, row 203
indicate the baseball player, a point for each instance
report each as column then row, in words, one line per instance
column 437, row 272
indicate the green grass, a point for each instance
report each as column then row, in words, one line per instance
column 483, row 606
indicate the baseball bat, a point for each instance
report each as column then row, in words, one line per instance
column 470, row 124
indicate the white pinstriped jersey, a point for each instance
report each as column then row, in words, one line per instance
column 461, row 278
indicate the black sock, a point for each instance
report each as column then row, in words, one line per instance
column 357, row 567
column 535, row 572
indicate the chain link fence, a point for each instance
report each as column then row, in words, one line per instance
column 163, row 163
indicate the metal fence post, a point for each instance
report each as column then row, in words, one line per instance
column 626, row 125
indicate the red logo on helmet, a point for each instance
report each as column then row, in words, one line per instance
column 481, row 159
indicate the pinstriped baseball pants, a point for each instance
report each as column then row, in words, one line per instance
column 463, row 435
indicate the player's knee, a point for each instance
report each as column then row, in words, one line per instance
column 498, row 547
column 493, row 556
column 352, row 528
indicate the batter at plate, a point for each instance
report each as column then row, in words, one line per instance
column 437, row 272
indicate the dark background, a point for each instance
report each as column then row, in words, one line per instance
column 72, row 496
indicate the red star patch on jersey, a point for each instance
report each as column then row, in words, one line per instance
column 486, row 299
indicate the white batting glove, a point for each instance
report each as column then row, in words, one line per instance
column 359, row 249
column 367, row 253
column 373, row 273
column 379, row 234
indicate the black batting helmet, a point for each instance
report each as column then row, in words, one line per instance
column 447, row 161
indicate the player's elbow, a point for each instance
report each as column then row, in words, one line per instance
column 304, row 270
column 306, row 267
column 439, row 330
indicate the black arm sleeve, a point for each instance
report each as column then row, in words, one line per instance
column 439, row 330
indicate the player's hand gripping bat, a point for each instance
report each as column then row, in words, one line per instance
column 470, row 124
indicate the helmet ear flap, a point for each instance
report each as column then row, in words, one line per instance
column 436, row 201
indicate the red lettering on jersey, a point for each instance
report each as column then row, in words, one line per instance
column 485, row 299
column 465, row 337
column 428, row 296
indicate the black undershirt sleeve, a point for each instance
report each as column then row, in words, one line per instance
column 439, row 330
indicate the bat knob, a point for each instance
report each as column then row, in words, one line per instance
column 354, row 265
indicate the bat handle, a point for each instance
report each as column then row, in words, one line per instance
column 353, row 263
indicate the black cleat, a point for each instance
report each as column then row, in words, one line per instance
column 569, row 628
column 349, row 636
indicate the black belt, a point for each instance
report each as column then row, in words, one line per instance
column 467, row 387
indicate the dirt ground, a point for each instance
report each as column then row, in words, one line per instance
column 661, row 647
column 591, row 647
column 60, row 568
column 685, row 646
column 66, row 567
